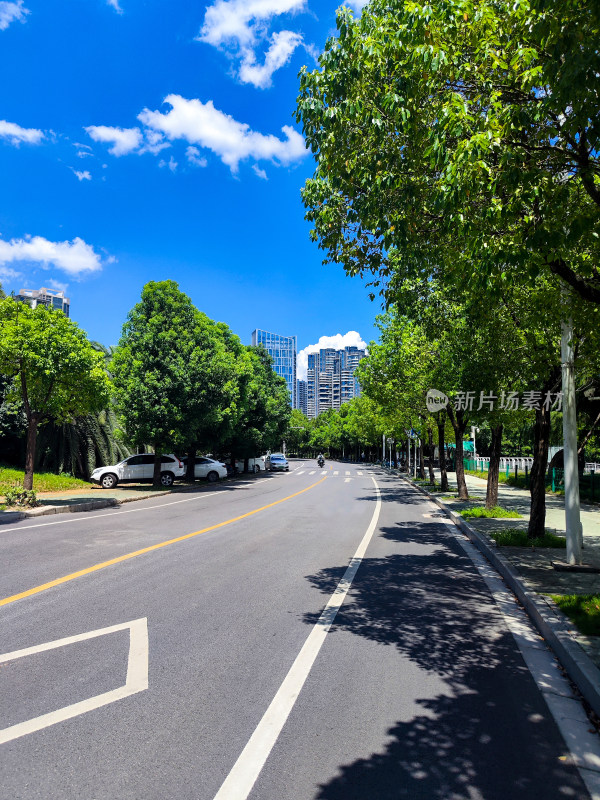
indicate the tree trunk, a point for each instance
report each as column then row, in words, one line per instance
column 156, row 474
column 491, row 495
column 441, row 424
column 431, row 448
column 191, row 465
column 537, row 485
column 459, row 423
column 32, row 426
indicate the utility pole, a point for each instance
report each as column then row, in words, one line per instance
column 572, row 515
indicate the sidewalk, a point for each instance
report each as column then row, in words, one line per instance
column 530, row 573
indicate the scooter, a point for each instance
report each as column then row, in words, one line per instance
column 321, row 461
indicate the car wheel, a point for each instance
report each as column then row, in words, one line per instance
column 166, row 478
column 109, row 481
column 213, row 476
column 256, row 468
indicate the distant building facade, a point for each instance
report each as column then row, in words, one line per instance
column 44, row 297
column 331, row 380
column 282, row 350
column 302, row 398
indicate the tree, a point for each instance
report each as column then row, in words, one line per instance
column 54, row 370
column 169, row 370
column 462, row 137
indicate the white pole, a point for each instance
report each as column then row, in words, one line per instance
column 572, row 515
column 408, row 452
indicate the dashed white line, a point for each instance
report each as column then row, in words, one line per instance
column 336, row 472
column 348, row 472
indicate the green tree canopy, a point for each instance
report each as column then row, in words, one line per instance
column 54, row 370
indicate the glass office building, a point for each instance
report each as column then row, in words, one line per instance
column 44, row 297
column 282, row 350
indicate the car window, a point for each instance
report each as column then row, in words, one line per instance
column 148, row 458
column 203, row 461
column 166, row 460
column 135, row 461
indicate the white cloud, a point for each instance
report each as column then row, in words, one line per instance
column 241, row 26
column 260, row 172
column 115, row 4
column 193, row 156
column 356, row 5
column 279, row 53
column 7, row 273
column 11, row 11
column 74, row 257
column 124, row 140
column 228, row 21
column 82, row 176
column 16, row 134
column 338, row 342
column 171, row 164
column 203, row 124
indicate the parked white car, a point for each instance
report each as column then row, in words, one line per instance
column 209, row 468
column 254, row 464
column 139, row 469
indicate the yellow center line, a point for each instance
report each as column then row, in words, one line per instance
column 127, row 556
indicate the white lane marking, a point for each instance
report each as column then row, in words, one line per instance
column 313, row 472
column 245, row 771
column 542, row 664
column 324, row 472
column 136, row 681
column 348, row 472
column 302, row 472
column 111, row 513
column 359, row 472
column 347, row 480
column 336, row 472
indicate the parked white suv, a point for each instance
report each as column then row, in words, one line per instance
column 139, row 469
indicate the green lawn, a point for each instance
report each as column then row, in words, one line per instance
column 582, row 609
column 11, row 478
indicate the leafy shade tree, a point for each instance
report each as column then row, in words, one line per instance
column 54, row 369
column 459, row 135
column 153, row 369
column 297, row 435
column 263, row 410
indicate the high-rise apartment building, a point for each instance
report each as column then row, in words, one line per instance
column 282, row 350
column 330, row 378
column 301, row 397
column 44, row 297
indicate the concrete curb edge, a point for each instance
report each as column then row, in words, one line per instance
column 88, row 505
column 578, row 665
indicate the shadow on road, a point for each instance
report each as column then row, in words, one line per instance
column 491, row 736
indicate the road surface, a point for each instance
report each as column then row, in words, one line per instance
column 311, row 635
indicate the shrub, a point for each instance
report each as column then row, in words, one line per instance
column 20, row 497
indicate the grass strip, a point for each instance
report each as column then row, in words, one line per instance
column 515, row 538
column 497, row 512
column 582, row 609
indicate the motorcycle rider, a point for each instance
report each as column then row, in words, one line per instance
column 320, row 459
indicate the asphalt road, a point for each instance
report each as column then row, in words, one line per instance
column 252, row 649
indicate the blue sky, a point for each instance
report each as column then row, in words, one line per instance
column 152, row 139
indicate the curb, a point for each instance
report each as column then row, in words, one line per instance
column 578, row 665
column 88, row 505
